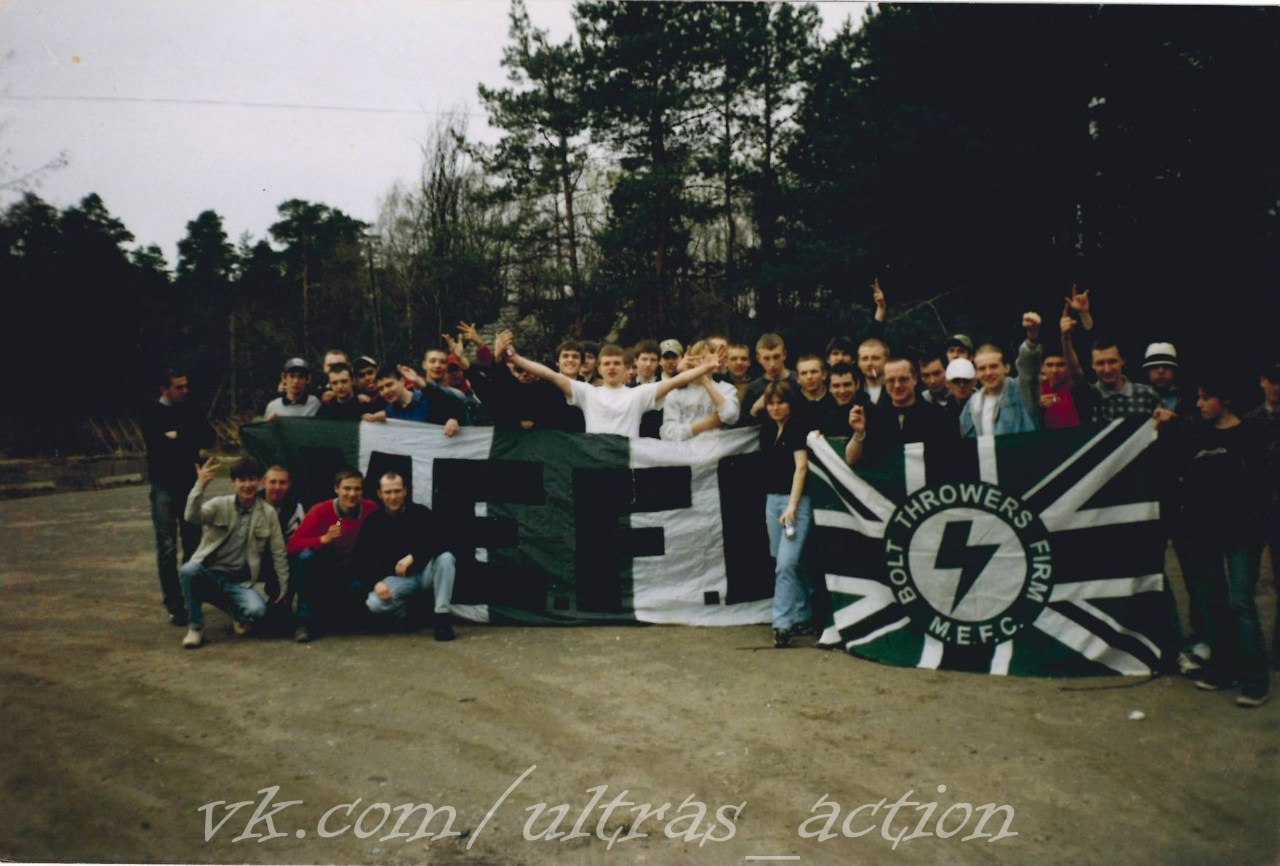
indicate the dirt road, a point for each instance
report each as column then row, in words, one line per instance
column 118, row 745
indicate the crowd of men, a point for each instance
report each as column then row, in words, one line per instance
column 350, row 557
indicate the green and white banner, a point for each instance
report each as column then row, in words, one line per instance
column 559, row 528
column 1036, row 554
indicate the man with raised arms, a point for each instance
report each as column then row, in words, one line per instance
column 613, row 407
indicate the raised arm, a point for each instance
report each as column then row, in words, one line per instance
column 1079, row 301
column 560, row 380
column 858, row 423
column 726, row 401
column 194, row 510
column 706, row 368
column 1067, row 326
column 1030, row 358
column 458, row 349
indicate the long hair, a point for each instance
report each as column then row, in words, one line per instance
column 785, row 391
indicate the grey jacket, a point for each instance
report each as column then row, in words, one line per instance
column 218, row 515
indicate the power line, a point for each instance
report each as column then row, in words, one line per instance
column 287, row 106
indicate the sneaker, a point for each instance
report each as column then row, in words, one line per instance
column 302, row 634
column 781, row 638
column 802, row 629
column 1189, row 662
column 443, row 632
column 1250, row 699
column 1212, row 683
column 194, row 639
column 241, row 628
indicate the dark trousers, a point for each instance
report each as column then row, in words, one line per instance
column 327, row 595
column 1226, row 595
column 166, row 516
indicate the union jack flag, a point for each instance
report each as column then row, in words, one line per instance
column 1037, row 554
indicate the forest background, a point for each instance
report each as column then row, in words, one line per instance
column 674, row 169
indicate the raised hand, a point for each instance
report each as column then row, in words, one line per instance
column 412, row 375
column 500, row 344
column 469, row 332
column 455, row 344
column 1031, row 322
column 206, row 471
column 858, row 420
column 1078, row 300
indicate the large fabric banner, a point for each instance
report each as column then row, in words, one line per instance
column 1036, row 554
column 559, row 528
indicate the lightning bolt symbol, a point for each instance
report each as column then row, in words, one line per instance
column 955, row 552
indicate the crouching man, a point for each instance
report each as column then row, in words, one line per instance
column 402, row 552
column 236, row 530
column 328, row 595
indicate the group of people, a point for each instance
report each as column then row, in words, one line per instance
column 1219, row 505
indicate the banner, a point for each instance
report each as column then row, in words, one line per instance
column 1035, row 554
column 561, row 528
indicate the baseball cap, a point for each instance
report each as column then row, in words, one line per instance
column 960, row 340
column 672, row 346
column 296, row 365
column 961, row 368
column 364, row 362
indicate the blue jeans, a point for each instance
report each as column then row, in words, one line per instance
column 1234, row 629
column 437, row 576
column 791, row 585
column 200, row 584
column 166, row 517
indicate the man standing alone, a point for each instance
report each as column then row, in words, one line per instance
column 174, row 432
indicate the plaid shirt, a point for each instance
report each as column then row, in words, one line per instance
column 1133, row 399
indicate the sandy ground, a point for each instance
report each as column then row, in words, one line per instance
column 119, row 746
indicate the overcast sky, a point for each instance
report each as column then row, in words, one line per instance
column 167, row 108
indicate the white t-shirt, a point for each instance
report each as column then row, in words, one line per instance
column 614, row 410
column 988, row 403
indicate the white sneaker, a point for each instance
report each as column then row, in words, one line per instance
column 194, row 639
column 1193, row 658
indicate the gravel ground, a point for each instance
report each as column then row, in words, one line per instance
column 119, row 746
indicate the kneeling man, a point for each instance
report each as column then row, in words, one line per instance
column 226, row 565
column 402, row 552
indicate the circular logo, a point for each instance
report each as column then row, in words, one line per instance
column 970, row 563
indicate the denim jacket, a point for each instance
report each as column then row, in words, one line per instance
column 1011, row 415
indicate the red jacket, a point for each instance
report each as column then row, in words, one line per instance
column 317, row 522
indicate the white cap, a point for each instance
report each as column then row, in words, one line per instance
column 961, row 368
